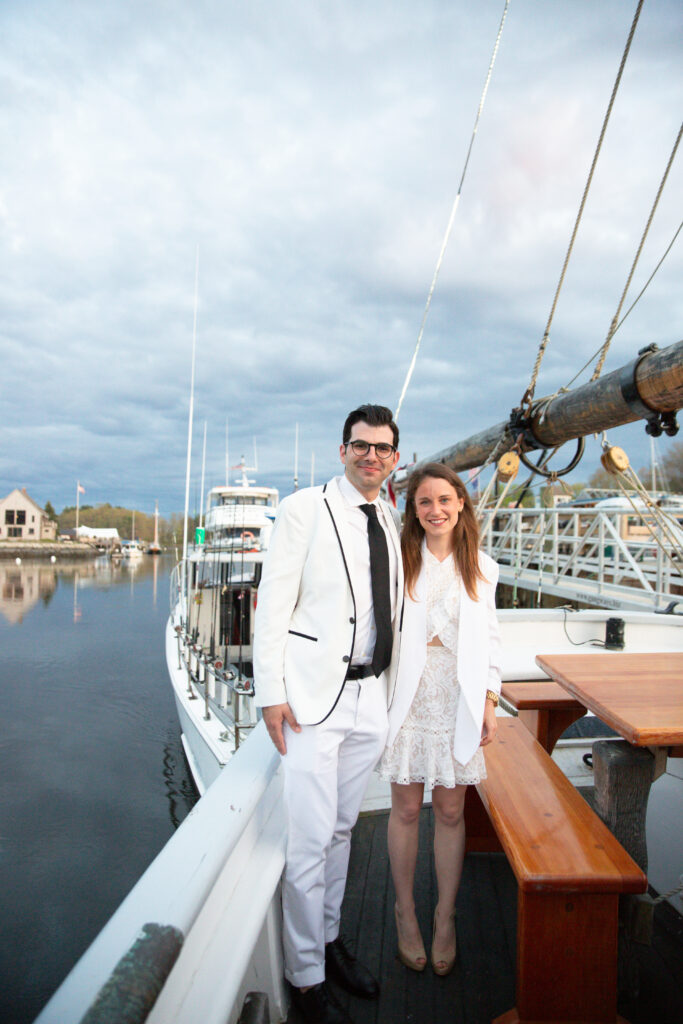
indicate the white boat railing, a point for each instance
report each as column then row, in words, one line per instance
column 215, row 885
column 175, row 586
column 562, row 550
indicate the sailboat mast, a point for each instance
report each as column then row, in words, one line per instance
column 189, row 429
column 201, row 493
column 156, row 525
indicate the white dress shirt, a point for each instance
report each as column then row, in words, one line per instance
column 359, row 569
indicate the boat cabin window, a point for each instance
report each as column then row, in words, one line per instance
column 235, row 619
column 231, row 499
column 246, row 539
column 212, row 574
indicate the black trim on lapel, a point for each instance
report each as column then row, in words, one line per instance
column 353, row 598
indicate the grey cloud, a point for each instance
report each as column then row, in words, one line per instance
column 313, row 155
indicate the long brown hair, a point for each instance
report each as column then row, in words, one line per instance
column 464, row 539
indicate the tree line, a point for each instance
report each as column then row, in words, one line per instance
column 121, row 519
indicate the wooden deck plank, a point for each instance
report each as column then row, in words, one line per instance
column 482, row 984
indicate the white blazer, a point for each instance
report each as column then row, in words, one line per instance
column 305, row 623
column 478, row 656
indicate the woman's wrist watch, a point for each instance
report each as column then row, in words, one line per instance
column 493, row 697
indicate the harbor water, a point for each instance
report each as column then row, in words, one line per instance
column 93, row 779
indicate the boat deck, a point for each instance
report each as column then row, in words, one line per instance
column 482, row 985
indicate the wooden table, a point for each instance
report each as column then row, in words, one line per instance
column 641, row 697
column 545, row 708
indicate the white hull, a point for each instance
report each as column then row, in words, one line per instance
column 207, row 747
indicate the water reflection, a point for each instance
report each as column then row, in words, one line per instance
column 180, row 790
column 31, row 581
column 93, row 779
column 22, row 586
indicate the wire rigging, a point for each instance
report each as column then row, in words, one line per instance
column 615, row 319
column 453, row 212
column 637, row 299
column 529, row 394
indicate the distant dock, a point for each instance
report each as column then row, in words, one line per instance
column 47, row 549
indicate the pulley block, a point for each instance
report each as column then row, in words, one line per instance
column 614, row 460
column 508, row 466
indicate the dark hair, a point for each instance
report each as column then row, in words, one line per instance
column 374, row 416
column 465, row 536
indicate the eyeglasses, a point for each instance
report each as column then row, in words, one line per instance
column 383, row 450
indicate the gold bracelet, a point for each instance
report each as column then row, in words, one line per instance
column 493, row 697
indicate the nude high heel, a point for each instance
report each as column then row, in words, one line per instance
column 443, row 960
column 410, row 957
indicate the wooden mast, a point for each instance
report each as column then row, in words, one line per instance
column 649, row 387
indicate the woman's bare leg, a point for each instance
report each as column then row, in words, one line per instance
column 404, row 820
column 449, row 854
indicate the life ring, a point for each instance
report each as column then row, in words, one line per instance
column 248, row 538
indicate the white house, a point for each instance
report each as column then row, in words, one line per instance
column 22, row 519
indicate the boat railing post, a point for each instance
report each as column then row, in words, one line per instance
column 661, row 583
column 188, row 664
column 237, row 721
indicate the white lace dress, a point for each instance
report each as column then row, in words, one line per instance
column 423, row 748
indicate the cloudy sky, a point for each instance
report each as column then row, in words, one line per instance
column 310, row 152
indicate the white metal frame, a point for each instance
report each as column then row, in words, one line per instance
column 580, row 553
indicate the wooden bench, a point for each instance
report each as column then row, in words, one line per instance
column 570, row 872
column 545, row 708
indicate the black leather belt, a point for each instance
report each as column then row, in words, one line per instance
column 359, row 672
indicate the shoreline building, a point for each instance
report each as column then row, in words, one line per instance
column 21, row 518
column 103, row 536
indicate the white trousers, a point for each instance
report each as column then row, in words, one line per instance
column 327, row 768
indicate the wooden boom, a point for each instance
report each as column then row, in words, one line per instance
column 649, row 387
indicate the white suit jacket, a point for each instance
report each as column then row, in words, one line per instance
column 478, row 657
column 305, row 614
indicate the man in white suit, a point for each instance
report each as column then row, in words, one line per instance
column 325, row 655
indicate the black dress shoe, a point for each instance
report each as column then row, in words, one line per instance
column 317, row 1005
column 341, row 966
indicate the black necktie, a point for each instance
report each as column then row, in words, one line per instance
column 381, row 598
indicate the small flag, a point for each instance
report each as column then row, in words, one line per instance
column 391, row 493
column 81, row 490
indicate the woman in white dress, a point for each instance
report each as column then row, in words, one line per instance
column 443, row 708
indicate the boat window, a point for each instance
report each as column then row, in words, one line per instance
column 236, row 617
column 220, row 574
column 234, row 499
column 239, row 538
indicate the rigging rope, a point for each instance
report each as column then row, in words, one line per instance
column 666, row 523
column 615, row 319
column 491, row 512
column 649, row 280
column 529, row 393
column 637, row 299
column 654, row 514
column 542, row 409
column 452, row 216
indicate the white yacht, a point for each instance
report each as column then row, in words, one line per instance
column 131, row 550
column 210, row 631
